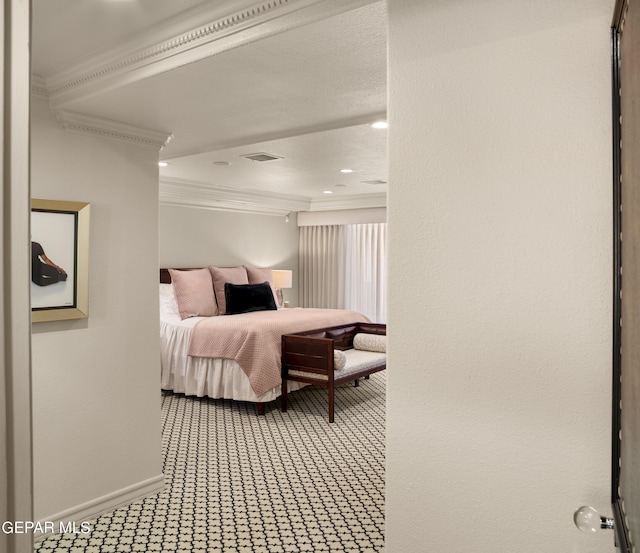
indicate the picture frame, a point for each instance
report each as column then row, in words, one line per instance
column 59, row 260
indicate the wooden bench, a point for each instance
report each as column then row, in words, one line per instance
column 310, row 356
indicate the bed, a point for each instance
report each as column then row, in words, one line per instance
column 211, row 348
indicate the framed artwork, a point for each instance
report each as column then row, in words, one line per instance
column 59, row 260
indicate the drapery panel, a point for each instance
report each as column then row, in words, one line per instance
column 320, row 265
column 345, row 267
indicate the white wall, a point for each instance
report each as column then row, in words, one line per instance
column 191, row 237
column 500, row 274
column 96, row 381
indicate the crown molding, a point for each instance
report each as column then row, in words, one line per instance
column 177, row 192
column 38, row 86
column 89, row 125
column 130, row 63
column 194, row 194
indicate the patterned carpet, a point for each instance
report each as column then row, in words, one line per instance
column 285, row 482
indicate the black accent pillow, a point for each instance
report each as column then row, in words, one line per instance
column 244, row 298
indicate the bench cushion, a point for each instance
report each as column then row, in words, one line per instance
column 356, row 360
column 370, row 342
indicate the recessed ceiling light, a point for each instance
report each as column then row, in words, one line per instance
column 380, row 125
column 376, row 181
column 162, row 164
column 221, row 163
column 346, row 170
column 328, row 192
column 340, row 185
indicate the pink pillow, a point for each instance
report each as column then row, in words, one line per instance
column 234, row 275
column 194, row 292
column 260, row 275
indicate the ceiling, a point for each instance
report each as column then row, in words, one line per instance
column 301, row 80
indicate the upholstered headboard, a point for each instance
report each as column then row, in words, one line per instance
column 165, row 276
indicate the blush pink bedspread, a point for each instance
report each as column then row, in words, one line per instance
column 253, row 339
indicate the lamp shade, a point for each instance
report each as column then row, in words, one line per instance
column 282, row 278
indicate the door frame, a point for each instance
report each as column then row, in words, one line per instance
column 623, row 541
column 16, row 473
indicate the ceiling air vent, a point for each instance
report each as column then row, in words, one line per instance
column 377, row 181
column 261, row 156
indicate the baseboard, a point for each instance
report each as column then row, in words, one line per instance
column 99, row 506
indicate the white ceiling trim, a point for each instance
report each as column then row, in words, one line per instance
column 113, row 130
column 38, row 86
column 193, row 194
column 107, row 71
column 215, row 205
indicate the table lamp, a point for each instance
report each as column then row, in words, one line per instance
column 282, row 278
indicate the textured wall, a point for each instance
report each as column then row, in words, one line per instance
column 199, row 237
column 96, row 381
column 500, row 275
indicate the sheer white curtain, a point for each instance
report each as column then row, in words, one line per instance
column 363, row 273
column 345, row 266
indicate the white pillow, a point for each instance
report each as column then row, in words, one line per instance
column 339, row 359
column 168, row 302
column 370, row 342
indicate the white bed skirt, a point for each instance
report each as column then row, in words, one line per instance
column 204, row 377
